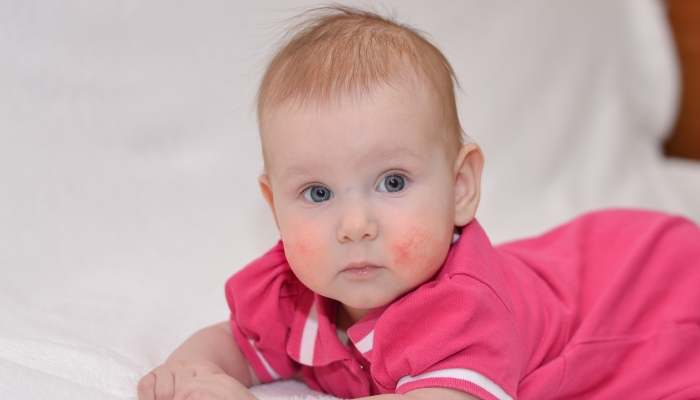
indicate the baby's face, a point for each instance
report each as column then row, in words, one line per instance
column 363, row 195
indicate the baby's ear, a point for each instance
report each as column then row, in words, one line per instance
column 266, row 189
column 467, row 173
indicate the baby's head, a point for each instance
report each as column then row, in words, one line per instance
column 365, row 170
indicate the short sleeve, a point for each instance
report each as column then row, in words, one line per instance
column 262, row 298
column 454, row 333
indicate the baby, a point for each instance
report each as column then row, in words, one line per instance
column 384, row 284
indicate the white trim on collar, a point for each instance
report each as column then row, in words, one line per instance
column 365, row 344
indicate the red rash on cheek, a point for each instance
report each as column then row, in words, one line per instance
column 402, row 249
column 301, row 247
column 305, row 254
column 415, row 247
column 302, row 251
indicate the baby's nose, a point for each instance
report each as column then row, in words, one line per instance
column 357, row 223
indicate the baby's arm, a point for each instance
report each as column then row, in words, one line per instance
column 208, row 361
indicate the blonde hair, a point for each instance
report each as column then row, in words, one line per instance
column 339, row 51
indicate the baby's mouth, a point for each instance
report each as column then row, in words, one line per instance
column 360, row 270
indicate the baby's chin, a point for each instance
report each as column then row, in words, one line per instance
column 367, row 299
column 365, row 303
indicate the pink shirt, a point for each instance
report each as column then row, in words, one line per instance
column 606, row 306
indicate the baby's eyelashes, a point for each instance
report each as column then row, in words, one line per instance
column 317, row 194
column 392, row 183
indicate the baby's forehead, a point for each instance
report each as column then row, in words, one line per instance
column 391, row 125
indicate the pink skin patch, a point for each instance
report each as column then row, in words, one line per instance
column 305, row 251
column 301, row 247
column 415, row 247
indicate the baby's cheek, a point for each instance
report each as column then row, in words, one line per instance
column 305, row 253
column 301, row 248
column 416, row 247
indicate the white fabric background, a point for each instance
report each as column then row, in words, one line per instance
column 129, row 157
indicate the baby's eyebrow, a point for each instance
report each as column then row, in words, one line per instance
column 299, row 172
column 295, row 171
column 393, row 154
column 399, row 152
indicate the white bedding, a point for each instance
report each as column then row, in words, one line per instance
column 129, row 158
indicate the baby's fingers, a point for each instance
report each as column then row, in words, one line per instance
column 213, row 387
column 165, row 385
column 146, row 387
column 157, row 385
column 164, row 382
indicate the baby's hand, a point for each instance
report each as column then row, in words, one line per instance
column 184, row 380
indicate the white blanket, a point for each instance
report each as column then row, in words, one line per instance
column 129, row 157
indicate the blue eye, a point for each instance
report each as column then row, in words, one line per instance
column 392, row 183
column 317, row 194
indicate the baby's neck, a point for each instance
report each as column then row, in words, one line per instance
column 348, row 316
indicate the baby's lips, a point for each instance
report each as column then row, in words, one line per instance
column 359, row 265
column 365, row 270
